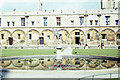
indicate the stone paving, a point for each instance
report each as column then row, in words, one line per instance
column 67, row 51
column 60, row 74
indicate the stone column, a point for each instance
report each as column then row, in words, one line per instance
column 59, row 52
column 86, row 28
column 99, row 15
column 26, row 35
column 69, row 39
column 115, row 39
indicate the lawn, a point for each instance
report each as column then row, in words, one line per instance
column 97, row 52
column 112, row 79
column 25, row 52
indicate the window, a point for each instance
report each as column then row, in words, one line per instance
column 18, row 36
column 103, row 36
column 88, row 36
column 32, row 23
column 0, row 21
column 13, row 23
column 91, row 22
column 60, row 36
column 2, row 36
column 118, row 36
column 48, row 36
column 22, row 21
column 107, row 20
column 81, row 20
column 8, row 23
column 45, row 21
column 42, row 34
column 77, row 33
column 113, row 5
column 96, row 22
column 72, row 22
column 58, row 21
column 30, row 36
column 116, row 21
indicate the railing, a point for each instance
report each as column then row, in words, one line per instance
column 101, row 76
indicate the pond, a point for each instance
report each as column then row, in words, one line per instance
column 55, row 64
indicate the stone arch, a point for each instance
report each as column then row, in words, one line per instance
column 93, row 37
column 118, row 37
column 34, row 34
column 4, row 34
column 33, row 30
column 6, row 31
column 108, row 36
column 33, row 37
column 64, row 36
column 108, row 29
column 118, row 32
column 47, row 30
column 94, row 34
column 16, row 32
column 77, row 37
column 49, row 37
column 18, row 37
column 64, row 30
column 79, row 30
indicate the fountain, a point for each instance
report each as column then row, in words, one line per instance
column 59, row 52
column 59, row 48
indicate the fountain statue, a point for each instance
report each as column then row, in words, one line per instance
column 59, row 48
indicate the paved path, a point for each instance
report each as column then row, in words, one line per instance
column 67, row 51
column 59, row 74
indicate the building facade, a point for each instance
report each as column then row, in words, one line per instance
column 89, row 27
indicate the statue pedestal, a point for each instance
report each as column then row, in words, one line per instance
column 86, row 47
column 59, row 52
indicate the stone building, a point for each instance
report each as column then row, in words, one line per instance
column 89, row 27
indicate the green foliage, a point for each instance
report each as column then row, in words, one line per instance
column 97, row 52
column 26, row 52
column 112, row 79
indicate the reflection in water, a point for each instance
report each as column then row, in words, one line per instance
column 3, row 73
column 53, row 64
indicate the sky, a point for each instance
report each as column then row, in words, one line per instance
column 32, row 5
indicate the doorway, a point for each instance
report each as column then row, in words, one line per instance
column 10, row 41
column 41, row 40
column 77, row 40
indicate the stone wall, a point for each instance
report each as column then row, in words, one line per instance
column 68, row 36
